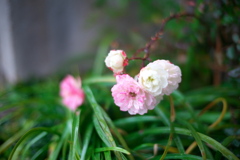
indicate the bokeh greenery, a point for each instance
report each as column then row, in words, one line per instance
column 35, row 125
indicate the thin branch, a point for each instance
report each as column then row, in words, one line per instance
column 157, row 36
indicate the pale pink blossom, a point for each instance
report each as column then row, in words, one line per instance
column 153, row 78
column 129, row 96
column 71, row 92
column 160, row 77
column 174, row 75
column 116, row 60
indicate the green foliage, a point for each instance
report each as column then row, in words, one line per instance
column 191, row 125
column 94, row 132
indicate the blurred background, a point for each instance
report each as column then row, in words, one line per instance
column 41, row 38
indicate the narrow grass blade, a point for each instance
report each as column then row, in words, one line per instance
column 101, row 54
column 64, row 149
column 225, row 143
column 107, row 155
column 101, row 121
column 6, row 118
column 151, row 145
column 179, row 156
column 119, row 136
column 87, row 137
column 16, row 136
column 74, row 137
column 178, row 141
column 214, row 144
column 66, row 131
column 166, row 121
column 102, row 79
column 100, row 131
column 17, row 104
column 134, row 120
column 40, row 151
column 198, row 140
column 77, row 157
column 103, row 149
column 161, row 114
column 208, row 152
column 30, row 143
column 168, row 143
column 28, row 134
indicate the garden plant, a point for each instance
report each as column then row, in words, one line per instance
column 137, row 103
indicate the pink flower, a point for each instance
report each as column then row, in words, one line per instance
column 71, row 92
column 129, row 96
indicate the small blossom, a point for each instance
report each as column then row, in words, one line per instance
column 129, row 96
column 153, row 78
column 174, row 76
column 71, row 92
column 116, row 61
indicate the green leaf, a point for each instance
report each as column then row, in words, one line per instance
column 30, row 143
column 102, row 52
column 101, row 79
column 119, row 136
column 77, row 157
column 162, row 115
column 225, row 143
column 60, row 142
column 7, row 117
column 197, row 138
column 74, row 137
column 179, row 156
column 103, row 149
column 168, row 143
column 107, row 155
column 100, row 131
column 28, row 134
column 40, row 150
column 87, row 137
column 15, row 137
column 100, row 123
column 166, row 121
column 134, row 120
column 216, row 145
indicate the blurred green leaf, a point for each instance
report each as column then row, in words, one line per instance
column 29, row 134
column 103, row 149
column 74, row 136
column 86, row 139
column 102, row 52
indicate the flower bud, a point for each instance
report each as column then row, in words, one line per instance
column 116, row 61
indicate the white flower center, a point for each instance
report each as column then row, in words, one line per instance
column 116, row 61
column 150, row 79
column 153, row 78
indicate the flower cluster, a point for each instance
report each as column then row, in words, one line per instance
column 71, row 92
column 143, row 93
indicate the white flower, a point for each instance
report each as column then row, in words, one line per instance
column 153, row 78
column 116, row 60
column 174, row 75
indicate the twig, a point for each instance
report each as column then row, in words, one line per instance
column 157, row 36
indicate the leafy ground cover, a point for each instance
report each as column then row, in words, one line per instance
column 198, row 121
